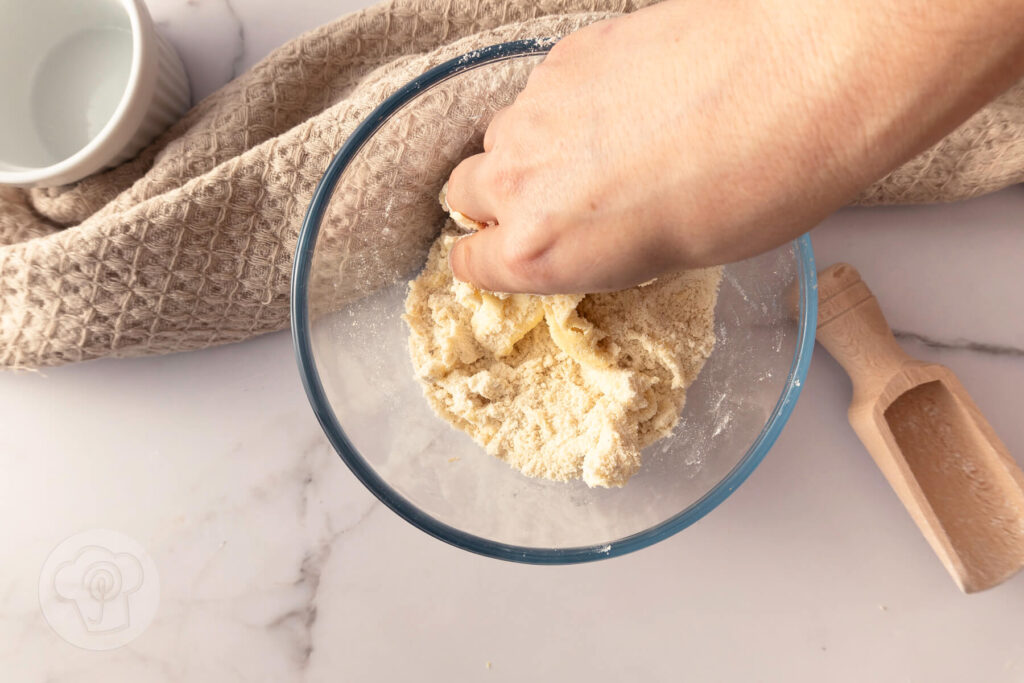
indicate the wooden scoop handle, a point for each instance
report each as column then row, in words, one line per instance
column 928, row 437
column 851, row 326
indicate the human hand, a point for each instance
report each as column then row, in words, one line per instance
column 691, row 134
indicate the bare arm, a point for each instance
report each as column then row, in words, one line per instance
column 691, row 134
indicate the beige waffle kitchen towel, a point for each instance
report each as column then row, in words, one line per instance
column 190, row 244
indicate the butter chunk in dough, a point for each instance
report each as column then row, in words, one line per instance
column 498, row 323
column 574, row 334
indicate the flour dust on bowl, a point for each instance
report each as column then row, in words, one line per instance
column 366, row 235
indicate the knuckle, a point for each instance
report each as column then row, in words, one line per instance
column 529, row 264
column 579, row 41
column 455, row 178
column 459, row 182
column 599, row 30
column 504, row 179
column 558, row 50
column 494, row 128
column 604, row 29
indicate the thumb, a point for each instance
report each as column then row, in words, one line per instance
column 479, row 259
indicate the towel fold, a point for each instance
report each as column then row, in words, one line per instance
column 190, row 244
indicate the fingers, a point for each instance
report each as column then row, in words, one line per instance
column 466, row 190
column 491, row 260
column 494, row 128
column 475, row 259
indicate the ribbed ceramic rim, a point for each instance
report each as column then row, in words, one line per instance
column 394, row 500
column 122, row 124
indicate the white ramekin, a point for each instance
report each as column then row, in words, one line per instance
column 156, row 94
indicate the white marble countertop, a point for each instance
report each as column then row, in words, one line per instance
column 276, row 565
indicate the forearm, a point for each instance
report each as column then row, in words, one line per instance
column 906, row 73
column 845, row 92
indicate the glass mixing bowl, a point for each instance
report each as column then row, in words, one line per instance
column 372, row 218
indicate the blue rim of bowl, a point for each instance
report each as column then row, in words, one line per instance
column 807, row 278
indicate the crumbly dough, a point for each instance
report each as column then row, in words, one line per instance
column 576, row 397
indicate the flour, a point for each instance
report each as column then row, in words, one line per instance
column 561, row 387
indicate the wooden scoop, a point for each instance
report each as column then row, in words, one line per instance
column 931, row 442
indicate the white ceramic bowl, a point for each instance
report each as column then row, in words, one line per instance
column 86, row 84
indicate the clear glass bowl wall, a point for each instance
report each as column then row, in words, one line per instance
column 367, row 232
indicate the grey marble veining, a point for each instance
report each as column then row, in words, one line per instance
column 959, row 344
column 275, row 564
column 238, row 63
